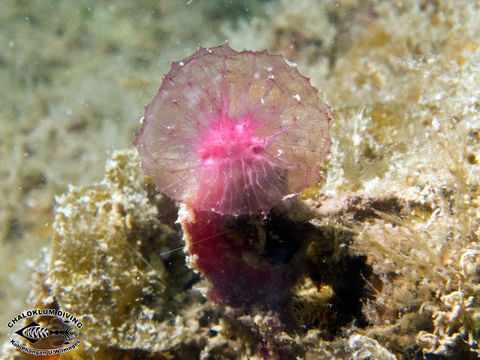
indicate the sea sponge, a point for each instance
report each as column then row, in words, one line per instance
column 234, row 132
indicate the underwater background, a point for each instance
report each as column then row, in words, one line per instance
column 399, row 203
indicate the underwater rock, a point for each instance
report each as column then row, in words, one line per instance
column 112, row 265
column 106, row 268
column 105, row 265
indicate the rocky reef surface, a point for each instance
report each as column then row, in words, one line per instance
column 321, row 277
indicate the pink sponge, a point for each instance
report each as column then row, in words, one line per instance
column 234, row 132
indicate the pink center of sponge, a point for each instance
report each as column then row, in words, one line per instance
column 227, row 140
column 235, row 169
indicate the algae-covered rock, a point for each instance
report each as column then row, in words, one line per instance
column 105, row 264
column 112, row 266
